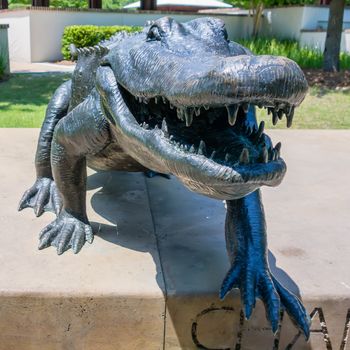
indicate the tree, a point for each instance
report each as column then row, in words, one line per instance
column 331, row 62
column 4, row 4
column 148, row 4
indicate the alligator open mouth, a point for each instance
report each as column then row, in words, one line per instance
column 221, row 141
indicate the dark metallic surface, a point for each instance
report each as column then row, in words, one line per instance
column 176, row 98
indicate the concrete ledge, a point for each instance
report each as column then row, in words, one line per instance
column 151, row 278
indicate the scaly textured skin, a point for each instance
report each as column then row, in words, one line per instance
column 177, row 98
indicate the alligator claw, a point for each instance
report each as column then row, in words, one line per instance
column 252, row 282
column 42, row 196
column 66, row 232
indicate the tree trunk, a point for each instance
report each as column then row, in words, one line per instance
column 95, row 4
column 334, row 30
column 41, row 3
column 148, row 5
column 4, row 4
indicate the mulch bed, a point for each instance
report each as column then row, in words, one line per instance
column 331, row 80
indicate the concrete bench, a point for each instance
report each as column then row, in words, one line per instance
column 150, row 279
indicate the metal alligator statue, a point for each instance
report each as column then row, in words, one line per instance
column 176, row 98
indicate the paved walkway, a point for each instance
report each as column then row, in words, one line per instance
column 42, row 67
column 150, row 279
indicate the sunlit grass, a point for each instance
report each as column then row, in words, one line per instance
column 306, row 57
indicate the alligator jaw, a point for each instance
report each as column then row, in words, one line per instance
column 162, row 145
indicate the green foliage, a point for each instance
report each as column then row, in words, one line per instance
column 69, row 3
column 306, row 57
column 115, row 4
column 89, row 35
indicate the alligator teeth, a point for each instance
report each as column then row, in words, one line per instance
column 290, row 116
column 206, row 107
column 244, row 157
column 164, row 100
column 213, row 154
column 188, row 116
column 232, row 114
column 156, row 100
column 245, row 107
column 192, row 149
column 202, row 148
column 180, row 113
column 264, row 155
column 274, row 117
column 228, row 158
column 171, row 106
column 260, row 130
column 278, row 149
column 165, row 127
column 197, row 111
column 145, row 100
column 145, row 125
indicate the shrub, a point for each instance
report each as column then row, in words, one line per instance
column 306, row 57
column 89, row 35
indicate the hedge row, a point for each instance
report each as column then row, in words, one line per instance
column 89, row 35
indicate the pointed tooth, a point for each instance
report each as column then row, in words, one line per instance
column 228, row 157
column 145, row 100
column 278, row 149
column 260, row 130
column 264, row 157
column 165, row 127
column 245, row 107
column 145, row 126
column 280, row 114
column 156, row 100
column 202, row 149
column 164, row 99
column 244, row 157
column 275, row 154
column 290, row 116
column 232, row 114
column 274, row 117
column 179, row 113
column 188, row 116
column 171, row 137
column 197, row 111
column 192, row 149
column 206, row 107
column 171, row 106
column 213, row 154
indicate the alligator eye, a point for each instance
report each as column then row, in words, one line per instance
column 153, row 34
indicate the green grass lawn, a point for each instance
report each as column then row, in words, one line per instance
column 24, row 97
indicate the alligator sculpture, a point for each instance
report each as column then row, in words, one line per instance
column 175, row 98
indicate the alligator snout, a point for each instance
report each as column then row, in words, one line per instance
column 261, row 80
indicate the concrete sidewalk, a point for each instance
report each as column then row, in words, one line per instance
column 150, row 279
column 42, row 67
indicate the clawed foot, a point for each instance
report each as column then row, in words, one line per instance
column 42, row 196
column 258, row 281
column 66, row 232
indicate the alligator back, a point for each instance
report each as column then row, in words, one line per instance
column 88, row 60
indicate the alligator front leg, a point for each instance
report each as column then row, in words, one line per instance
column 83, row 131
column 247, row 248
column 43, row 195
